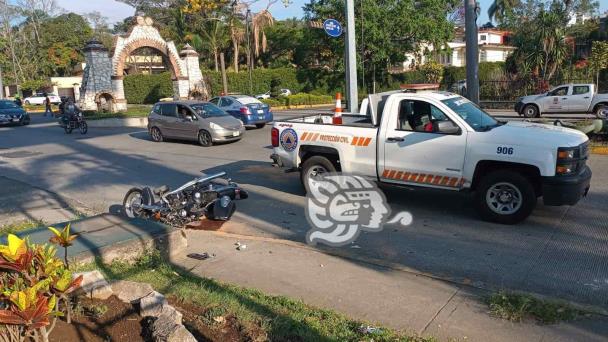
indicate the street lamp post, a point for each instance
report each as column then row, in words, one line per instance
column 249, row 54
column 351, row 57
column 472, row 50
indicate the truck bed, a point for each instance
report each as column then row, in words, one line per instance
column 348, row 119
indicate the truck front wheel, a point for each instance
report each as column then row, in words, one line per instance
column 505, row 197
column 313, row 167
column 530, row 111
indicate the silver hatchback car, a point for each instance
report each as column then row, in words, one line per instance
column 193, row 120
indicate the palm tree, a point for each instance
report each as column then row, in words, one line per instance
column 261, row 21
column 237, row 35
column 214, row 36
column 500, row 8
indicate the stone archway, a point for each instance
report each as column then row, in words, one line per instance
column 105, row 73
column 105, row 102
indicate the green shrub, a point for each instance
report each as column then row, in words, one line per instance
column 146, row 89
column 304, row 99
column 262, row 78
column 487, row 71
column 275, row 102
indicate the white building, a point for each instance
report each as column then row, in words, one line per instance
column 493, row 47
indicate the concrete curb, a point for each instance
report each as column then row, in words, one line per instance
column 141, row 122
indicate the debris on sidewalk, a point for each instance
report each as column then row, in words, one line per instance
column 240, row 246
column 369, row 330
column 203, row 256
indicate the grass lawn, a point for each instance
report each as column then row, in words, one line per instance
column 259, row 316
column 133, row 111
column 517, row 307
column 20, row 226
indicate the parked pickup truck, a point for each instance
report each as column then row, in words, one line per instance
column 567, row 98
column 441, row 140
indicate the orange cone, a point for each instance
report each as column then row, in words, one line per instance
column 337, row 119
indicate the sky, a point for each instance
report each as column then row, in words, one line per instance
column 116, row 11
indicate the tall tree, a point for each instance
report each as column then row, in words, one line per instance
column 499, row 10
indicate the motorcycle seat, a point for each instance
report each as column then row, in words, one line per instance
column 161, row 190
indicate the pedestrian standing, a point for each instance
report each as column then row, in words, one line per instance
column 47, row 103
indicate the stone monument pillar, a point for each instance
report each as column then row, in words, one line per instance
column 190, row 60
column 96, row 76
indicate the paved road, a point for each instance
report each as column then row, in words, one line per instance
column 560, row 252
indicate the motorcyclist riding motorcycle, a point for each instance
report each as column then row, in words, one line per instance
column 70, row 110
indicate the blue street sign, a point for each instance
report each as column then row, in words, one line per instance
column 333, row 28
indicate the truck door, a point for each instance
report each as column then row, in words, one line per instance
column 580, row 100
column 414, row 153
column 556, row 101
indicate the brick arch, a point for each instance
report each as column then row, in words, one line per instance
column 159, row 46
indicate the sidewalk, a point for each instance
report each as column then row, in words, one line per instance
column 401, row 300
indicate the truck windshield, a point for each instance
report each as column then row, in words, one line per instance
column 479, row 120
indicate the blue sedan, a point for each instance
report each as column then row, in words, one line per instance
column 249, row 110
column 11, row 113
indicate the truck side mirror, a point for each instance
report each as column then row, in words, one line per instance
column 446, row 127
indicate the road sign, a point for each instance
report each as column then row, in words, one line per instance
column 333, row 28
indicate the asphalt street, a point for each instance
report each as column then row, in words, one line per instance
column 558, row 252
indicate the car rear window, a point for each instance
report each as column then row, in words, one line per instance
column 248, row 100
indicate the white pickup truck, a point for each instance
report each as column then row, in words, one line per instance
column 567, row 98
column 442, row 140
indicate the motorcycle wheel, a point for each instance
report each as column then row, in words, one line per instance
column 133, row 196
column 83, row 128
column 68, row 129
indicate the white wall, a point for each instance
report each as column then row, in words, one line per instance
column 490, row 38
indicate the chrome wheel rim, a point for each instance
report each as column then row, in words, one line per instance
column 133, row 204
column 156, row 134
column 602, row 113
column 504, row 198
column 530, row 112
column 316, row 171
column 204, row 138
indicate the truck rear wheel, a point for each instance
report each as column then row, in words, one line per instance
column 505, row 197
column 601, row 112
column 313, row 167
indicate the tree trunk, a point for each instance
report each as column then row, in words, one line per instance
column 235, row 45
column 215, row 56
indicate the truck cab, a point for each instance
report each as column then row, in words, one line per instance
column 441, row 140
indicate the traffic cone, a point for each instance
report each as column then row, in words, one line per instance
column 337, row 119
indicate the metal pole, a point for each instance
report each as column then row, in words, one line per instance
column 249, row 54
column 351, row 54
column 472, row 50
column 1, row 85
column 224, row 80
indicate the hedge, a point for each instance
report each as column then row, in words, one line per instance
column 301, row 99
column 239, row 82
column 147, row 89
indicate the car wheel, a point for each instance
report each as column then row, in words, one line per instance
column 530, row 111
column 505, row 197
column 601, row 112
column 27, row 103
column 157, row 135
column 204, row 138
column 314, row 167
column 260, row 125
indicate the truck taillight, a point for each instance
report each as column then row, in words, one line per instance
column 245, row 111
column 274, row 137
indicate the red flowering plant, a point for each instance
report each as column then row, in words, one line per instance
column 33, row 281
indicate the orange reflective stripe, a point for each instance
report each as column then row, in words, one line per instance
column 315, row 137
column 436, row 180
column 304, row 136
column 445, row 180
column 453, row 181
column 421, row 178
column 361, row 141
column 355, row 140
column 399, row 175
column 367, row 142
column 385, row 174
column 428, row 179
column 391, row 174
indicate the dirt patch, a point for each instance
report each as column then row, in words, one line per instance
column 206, row 324
column 205, row 224
column 100, row 320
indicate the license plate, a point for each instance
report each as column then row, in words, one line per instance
column 260, row 111
column 236, row 134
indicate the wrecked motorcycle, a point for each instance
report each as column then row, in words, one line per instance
column 212, row 196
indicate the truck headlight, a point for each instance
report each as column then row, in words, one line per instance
column 567, row 160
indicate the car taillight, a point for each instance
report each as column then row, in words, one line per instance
column 274, row 137
column 245, row 111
